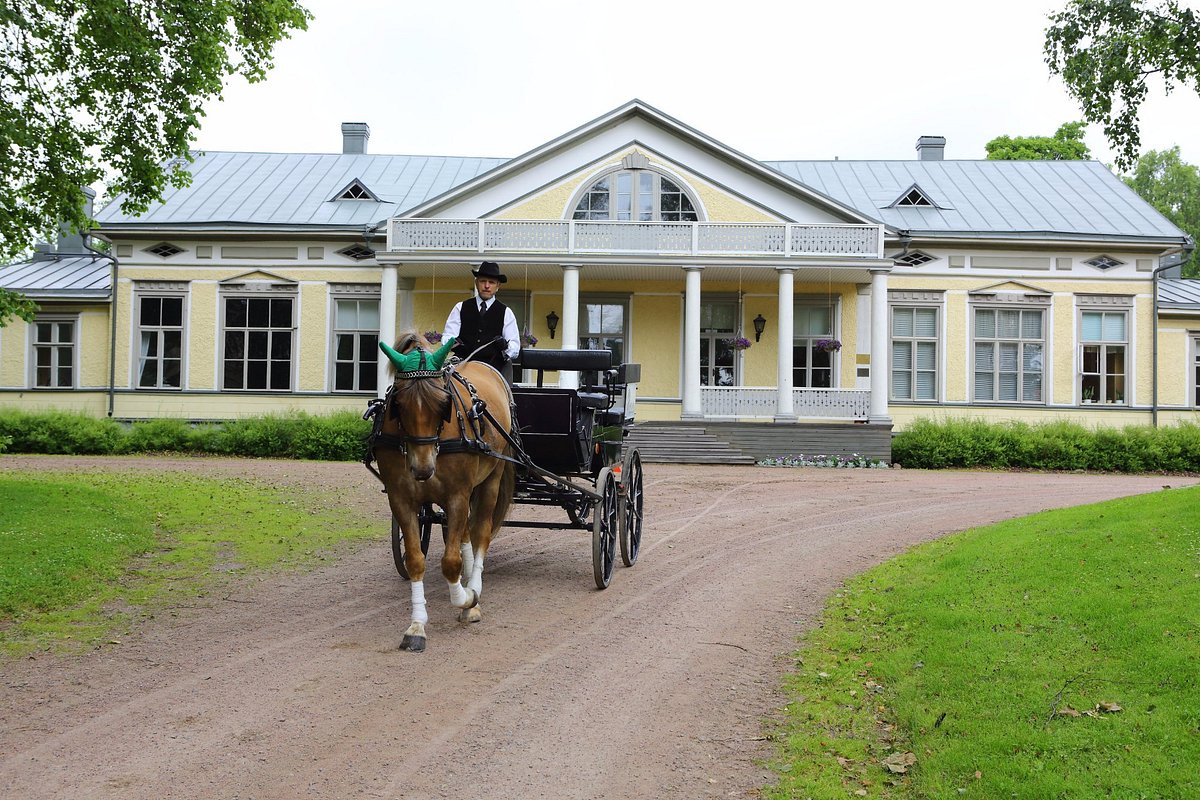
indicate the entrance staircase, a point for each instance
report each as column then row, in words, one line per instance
column 690, row 444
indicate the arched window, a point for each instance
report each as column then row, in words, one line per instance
column 637, row 195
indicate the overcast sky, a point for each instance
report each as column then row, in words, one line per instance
column 775, row 79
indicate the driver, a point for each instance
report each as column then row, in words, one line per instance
column 482, row 320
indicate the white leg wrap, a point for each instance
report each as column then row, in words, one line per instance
column 419, row 614
column 468, row 558
column 476, row 582
column 459, row 597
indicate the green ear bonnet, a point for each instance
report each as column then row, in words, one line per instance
column 418, row 363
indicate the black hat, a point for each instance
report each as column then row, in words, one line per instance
column 490, row 269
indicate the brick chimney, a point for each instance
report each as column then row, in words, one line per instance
column 354, row 137
column 931, row 148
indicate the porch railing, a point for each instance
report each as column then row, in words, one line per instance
column 748, row 402
column 584, row 237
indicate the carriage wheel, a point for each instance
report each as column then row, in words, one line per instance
column 425, row 520
column 631, row 508
column 579, row 512
column 604, row 528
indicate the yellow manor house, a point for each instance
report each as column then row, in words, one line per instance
column 808, row 303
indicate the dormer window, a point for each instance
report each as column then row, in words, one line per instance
column 914, row 259
column 1103, row 262
column 357, row 190
column 636, row 195
column 914, row 197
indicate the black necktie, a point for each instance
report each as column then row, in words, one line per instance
column 483, row 307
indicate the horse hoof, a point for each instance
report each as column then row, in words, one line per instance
column 413, row 644
column 470, row 614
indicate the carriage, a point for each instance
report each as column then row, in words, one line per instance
column 569, row 454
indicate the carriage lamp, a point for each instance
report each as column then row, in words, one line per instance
column 760, row 324
column 552, row 323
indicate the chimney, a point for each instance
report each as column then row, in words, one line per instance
column 931, row 148
column 71, row 241
column 354, row 137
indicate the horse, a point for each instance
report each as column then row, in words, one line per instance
column 444, row 436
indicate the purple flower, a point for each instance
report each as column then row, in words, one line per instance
column 828, row 345
column 737, row 342
column 433, row 337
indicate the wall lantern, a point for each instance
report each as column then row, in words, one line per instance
column 552, row 323
column 760, row 324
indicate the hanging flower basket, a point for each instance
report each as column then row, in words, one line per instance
column 737, row 343
column 528, row 339
column 433, row 337
column 827, row 345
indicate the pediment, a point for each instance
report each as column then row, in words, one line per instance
column 1012, row 287
column 259, row 276
column 558, row 167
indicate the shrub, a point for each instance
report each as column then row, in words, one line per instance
column 60, row 432
column 161, row 436
column 969, row 443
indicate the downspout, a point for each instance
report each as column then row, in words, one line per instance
column 112, row 334
column 1184, row 254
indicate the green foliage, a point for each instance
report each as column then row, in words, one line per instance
column 1050, row 656
column 13, row 304
column 1106, row 50
column 334, row 437
column 119, row 83
column 1065, row 145
column 1172, row 186
column 976, row 444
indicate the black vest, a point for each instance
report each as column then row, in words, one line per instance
column 475, row 330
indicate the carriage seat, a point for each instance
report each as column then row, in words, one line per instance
column 593, row 399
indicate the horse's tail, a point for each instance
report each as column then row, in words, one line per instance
column 504, row 500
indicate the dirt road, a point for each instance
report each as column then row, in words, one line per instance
column 292, row 686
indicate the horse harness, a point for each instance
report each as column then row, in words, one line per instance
column 470, row 421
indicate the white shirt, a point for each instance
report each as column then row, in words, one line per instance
column 511, row 333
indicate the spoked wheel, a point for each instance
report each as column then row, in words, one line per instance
column 604, row 528
column 425, row 519
column 631, row 508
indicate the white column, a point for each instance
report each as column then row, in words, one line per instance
column 406, row 318
column 785, row 408
column 879, row 347
column 387, row 322
column 691, row 345
column 569, row 379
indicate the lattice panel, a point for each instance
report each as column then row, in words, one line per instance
column 748, row 402
column 718, row 238
column 434, row 234
column 859, row 240
column 633, row 237
column 549, row 236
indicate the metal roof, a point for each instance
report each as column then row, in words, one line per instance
column 1018, row 199
column 297, row 189
column 1179, row 293
column 60, row 277
column 1013, row 198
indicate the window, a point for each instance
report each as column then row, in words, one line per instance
column 602, row 327
column 160, row 342
column 1103, row 262
column 914, row 197
column 636, row 195
column 717, row 325
column 257, row 343
column 1196, row 372
column 914, row 353
column 1009, row 360
column 914, row 259
column 812, row 367
column 54, row 353
column 355, row 352
column 1103, row 340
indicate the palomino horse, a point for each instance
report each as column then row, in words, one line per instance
column 444, row 439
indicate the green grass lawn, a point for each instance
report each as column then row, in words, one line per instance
column 83, row 558
column 1054, row 656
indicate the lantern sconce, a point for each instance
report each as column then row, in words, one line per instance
column 552, row 323
column 760, row 325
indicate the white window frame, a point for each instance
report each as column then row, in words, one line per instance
column 362, row 366
column 1021, row 341
column 151, row 293
column 623, row 300
column 1194, row 381
column 808, row 341
column 55, row 348
column 938, row 308
column 614, row 194
column 710, row 340
column 1098, row 381
column 243, row 292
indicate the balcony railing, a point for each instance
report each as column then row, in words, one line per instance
column 750, row 402
column 583, row 237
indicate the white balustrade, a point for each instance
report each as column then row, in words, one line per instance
column 566, row 237
column 749, row 402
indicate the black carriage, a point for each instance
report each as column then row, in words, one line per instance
column 571, row 454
